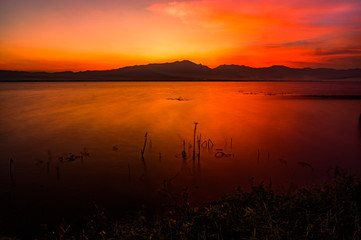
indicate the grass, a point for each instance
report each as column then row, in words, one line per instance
column 330, row 211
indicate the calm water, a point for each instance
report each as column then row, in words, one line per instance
column 263, row 131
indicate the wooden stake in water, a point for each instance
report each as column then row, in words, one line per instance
column 199, row 145
column 258, row 155
column 210, row 143
column 194, row 140
column 145, row 144
column 184, row 154
column 231, row 143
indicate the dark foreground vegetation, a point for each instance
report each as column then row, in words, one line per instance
column 330, row 211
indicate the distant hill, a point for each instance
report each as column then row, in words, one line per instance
column 186, row 71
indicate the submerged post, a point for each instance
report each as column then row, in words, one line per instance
column 184, row 154
column 199, row 145
column 194, row 140
column 210, row 144
column 145, row 144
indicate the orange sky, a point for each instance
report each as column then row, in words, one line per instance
column 52, row 35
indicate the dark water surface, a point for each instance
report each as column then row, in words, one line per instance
column 75, row 143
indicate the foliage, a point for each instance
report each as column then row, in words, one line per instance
column 332, row 211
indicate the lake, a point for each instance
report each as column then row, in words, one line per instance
column 66, row 145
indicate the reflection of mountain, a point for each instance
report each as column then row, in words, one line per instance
column 186, row 71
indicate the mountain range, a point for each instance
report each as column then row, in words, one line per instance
column 187, row 71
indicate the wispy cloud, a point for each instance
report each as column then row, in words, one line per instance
column 303, row 26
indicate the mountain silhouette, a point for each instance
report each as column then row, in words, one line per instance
column 187, row 71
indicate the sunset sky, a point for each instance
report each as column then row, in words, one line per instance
column 76, row 35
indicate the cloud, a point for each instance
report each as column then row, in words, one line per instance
column 260, row 20
column 348, row 52
column 338, row 62
column 310, row 31
column 318, row 12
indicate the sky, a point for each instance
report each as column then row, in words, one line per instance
column 77, row 35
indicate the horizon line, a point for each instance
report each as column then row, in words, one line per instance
column 179, row 61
